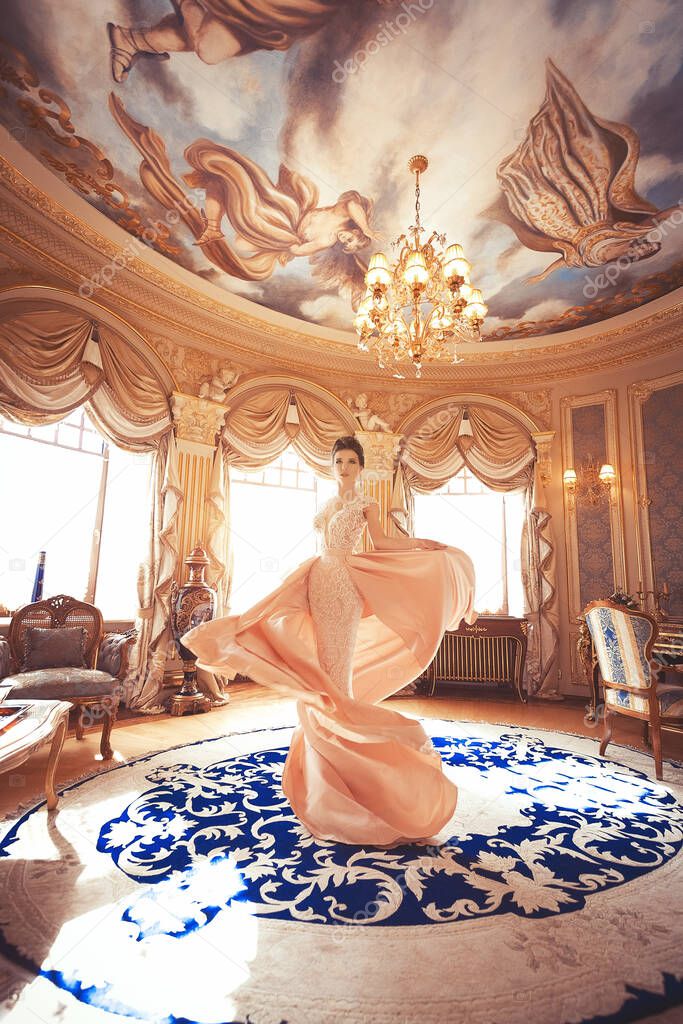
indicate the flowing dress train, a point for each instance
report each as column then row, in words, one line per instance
column 342, row 632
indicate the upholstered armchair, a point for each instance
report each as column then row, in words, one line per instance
column 55, row 649
column 622, row 644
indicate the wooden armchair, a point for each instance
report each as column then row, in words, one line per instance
column 92, row 684
column 622, row 645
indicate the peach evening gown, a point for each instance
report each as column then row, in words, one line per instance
column 342, row 632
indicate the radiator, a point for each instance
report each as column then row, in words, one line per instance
column 492, row 650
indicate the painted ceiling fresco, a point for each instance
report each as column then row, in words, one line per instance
column 264, row 145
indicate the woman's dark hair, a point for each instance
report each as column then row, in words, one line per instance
column 342, row 443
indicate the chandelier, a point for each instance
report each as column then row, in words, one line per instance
column 419, row 307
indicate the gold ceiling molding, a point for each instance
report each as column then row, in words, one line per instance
column 42, row 233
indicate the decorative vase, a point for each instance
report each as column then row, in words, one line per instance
column 191, row 604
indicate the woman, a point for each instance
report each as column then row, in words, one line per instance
column 342, row 632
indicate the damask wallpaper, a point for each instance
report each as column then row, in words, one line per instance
column 663, row 436
column 596, row 573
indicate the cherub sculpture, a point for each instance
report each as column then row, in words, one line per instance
column 216, row 388
column 368, row 420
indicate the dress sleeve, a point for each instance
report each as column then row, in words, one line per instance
column 367, row 502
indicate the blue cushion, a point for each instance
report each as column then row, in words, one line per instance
column 61, row 683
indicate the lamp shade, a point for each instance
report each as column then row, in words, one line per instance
column 453, row 252
column 378, row 273
column 476, row 309
column 457, row 267
column 415, row 273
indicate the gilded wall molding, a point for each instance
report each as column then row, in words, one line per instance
column 638, row 394
column 41, row 233
column 608, row 399
column 544, row 444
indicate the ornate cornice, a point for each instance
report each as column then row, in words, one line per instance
column 41, row 235
column 380, row 451
column 197, row 419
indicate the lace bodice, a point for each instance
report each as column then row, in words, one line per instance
column 341, row 523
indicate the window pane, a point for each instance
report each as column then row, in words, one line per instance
column 53, row 509
column 514, row 514
column 125, row 529
column 271, row 528
column 48, row 432
column 473, row 522
column 70, row 436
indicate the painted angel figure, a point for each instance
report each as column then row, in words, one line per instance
column 273, row 222
column 368, row 420
column 219, row 29
column 569, row 186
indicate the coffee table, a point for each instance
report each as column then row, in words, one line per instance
column 25, row 725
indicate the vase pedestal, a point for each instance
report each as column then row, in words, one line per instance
column 189, row 703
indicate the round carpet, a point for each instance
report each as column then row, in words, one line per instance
column 181, row 888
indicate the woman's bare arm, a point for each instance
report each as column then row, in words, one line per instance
column 381, row 542
column 358, row 215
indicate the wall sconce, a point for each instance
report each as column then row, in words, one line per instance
column 590, row 485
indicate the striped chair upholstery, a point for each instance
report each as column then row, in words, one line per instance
column 622, row 643
column 620, row 640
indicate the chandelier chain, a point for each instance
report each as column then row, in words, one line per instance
column 418, row 226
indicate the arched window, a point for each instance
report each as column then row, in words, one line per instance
column 271, row 513
column 82, row 501
column 487, row 525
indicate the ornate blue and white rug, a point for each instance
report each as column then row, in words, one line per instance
column 180, row 888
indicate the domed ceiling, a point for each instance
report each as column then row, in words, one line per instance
column 552, row 127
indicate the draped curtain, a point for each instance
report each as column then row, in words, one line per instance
column 502, row 455
column 258, row 430
column 54, row 359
